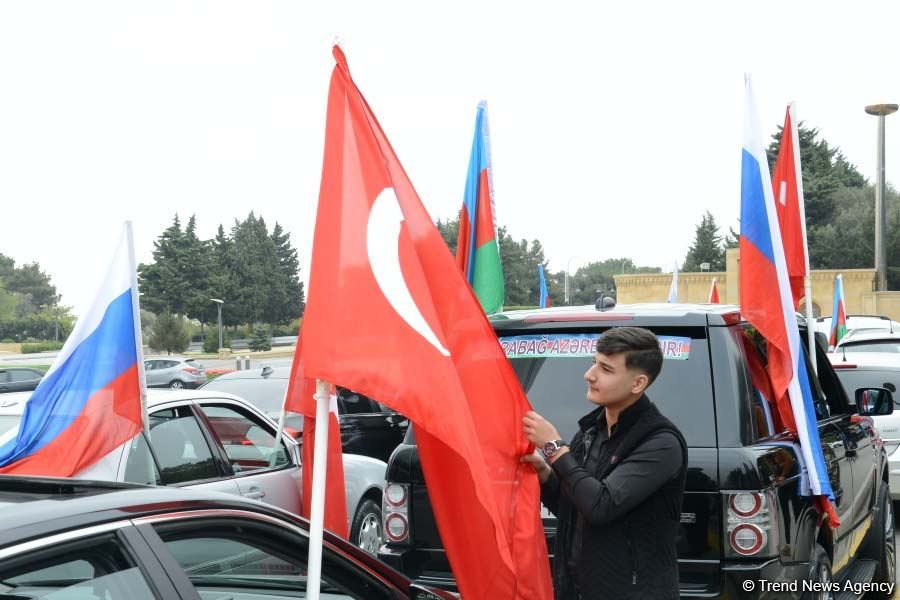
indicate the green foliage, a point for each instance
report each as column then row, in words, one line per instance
column 41, row 347
column 256, row 273
column 825, row 170
column 211, row 341
column 261, row 340
column 38, row 326
column 169, row 334
column 707, row 247
column 450, row 232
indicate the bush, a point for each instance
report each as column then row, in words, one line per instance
column 7, row 341
column 41, row 347
column 169, row 334
column 211, row 343
column 261, row 340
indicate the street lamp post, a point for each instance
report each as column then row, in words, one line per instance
column 219, row 304
column 880, row 111
column 568, row 263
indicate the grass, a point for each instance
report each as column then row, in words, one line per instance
column 10, row 365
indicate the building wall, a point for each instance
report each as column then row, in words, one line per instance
column 694, row 287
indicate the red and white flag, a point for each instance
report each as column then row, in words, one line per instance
column 787, row 185
column 390, row 316
column 713, row 292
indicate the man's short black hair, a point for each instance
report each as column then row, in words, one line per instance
column 641, row 348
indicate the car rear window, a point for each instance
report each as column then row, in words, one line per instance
column 265, row 394
column 551, row 369
column 883, row 346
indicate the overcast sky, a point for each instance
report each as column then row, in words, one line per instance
column 614, row 126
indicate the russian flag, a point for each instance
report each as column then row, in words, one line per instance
column 93, row 396
column 477, row 249
column 767, row 302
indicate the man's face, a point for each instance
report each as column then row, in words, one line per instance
column 610, row 381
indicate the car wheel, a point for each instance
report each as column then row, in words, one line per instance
column 879, row 546
column 366, row 531
column 176, row 384
column 820, row 572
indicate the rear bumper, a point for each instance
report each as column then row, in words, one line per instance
column 761, row 580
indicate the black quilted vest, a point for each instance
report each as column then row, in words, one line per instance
column 634, row 557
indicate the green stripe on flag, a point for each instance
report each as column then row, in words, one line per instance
column 487, row 281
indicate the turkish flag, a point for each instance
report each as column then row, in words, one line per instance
column 300, row 399
column 389, row 315
column 787, row 184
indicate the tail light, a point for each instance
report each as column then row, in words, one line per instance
column 395, row 508
column 190, row 370
column 750, row 524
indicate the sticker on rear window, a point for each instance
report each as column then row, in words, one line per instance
column 580, row 346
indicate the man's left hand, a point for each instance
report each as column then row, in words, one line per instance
column 538, row 430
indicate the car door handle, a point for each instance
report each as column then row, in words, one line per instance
column 255, row 493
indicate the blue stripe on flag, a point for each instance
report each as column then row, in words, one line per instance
column 817, row 471
column 477, row 163
column 754, row 220
column 103, row 356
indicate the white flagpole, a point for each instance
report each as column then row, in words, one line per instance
column 138, row 337
column 279, row 434
column 317, row 505
column 807, row 282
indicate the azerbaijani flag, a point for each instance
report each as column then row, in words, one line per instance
column 838, row 313
column 93, row 396
column 767, row 303
column 477, row 252
column 544, row 299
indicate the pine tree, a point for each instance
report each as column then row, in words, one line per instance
column 161, row 283
column 707, row 247
column 261, row 340
column 169, row 334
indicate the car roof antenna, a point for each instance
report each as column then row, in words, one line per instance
column 844, row 349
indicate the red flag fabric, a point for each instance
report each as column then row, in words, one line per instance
column 300, row 399
column 389, row 315
column 787, row 184
column 713, row 292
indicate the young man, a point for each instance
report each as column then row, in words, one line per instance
column 616, row 489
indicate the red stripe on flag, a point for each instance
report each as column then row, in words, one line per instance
column 484, row 223
column 111, row 417
column 463, row 241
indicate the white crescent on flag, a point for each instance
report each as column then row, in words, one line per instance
column 382, row 244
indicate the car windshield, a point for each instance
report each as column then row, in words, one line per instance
column 882, row 346
column 265, row 394
column 551, row 369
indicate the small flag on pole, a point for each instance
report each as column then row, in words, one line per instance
column 838, row 313
column 673, row 288
column 713, row 292
column 544, row 300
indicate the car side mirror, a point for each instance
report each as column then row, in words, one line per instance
column 873, row 402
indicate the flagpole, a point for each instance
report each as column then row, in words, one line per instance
column 279, row 433
column 138, row 337
column 317, row 508
column 801, row 203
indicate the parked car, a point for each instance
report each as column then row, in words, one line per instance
column 174, row 372
column 859, row 324
column 367, row 427
column 19, row 379
column 876, row 369
column 215, row 441
column 745, row 517
column 882, row 342
column 61, row 538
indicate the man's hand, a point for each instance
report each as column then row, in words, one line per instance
column 540, row 465
column 538, row 430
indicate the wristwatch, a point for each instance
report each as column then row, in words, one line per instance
column 551, row 448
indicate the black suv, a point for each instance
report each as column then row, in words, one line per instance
column 745, row 518
column 367, row 427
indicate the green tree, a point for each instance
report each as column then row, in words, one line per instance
column 261, row 340
column 161, row 283
column 286, row 299
column 169, row 334
column 732, row 239
column 29, row 280
column 449, row 230
column 707, row 247
column 824, row 170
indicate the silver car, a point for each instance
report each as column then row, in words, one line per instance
column 174, row 372
column 220, row 442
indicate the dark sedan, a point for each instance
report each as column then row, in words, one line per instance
column 63, row 538
column 19, row 379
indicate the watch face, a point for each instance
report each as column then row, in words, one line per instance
column 550, row 448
